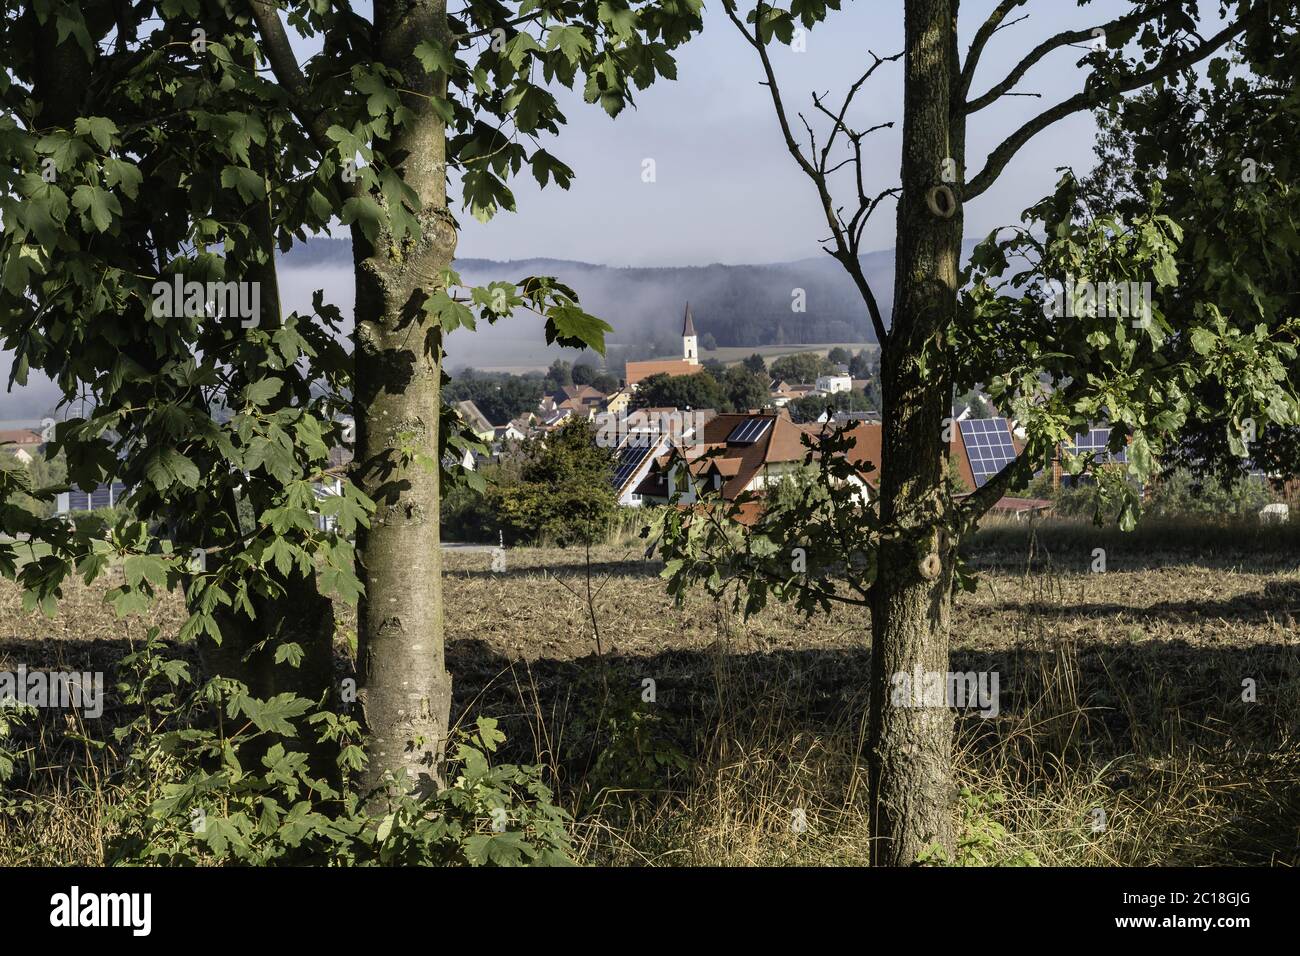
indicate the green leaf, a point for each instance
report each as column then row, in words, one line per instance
column 293, row 653
column 122, row 175
column 99, row 128
column 249, row 184
column 571, row 40
column 140, row 567
column 365, row 211
column 435, row 58
column 166, row 467
column 571, row 327
column 274, row 715
column 262, row 391
column 98, row 204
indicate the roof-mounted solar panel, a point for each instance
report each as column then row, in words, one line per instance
column 1096, row 441
column 988, row 447
column 629, row 459
column 749, row 431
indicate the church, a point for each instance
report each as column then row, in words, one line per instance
column 688, row 364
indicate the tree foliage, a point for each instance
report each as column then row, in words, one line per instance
column 565, row 489
column 1223, row 154
column 147, row 166
column 802, row 367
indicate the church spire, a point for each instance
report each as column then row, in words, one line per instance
column 690, row 344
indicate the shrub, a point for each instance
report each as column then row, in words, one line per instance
column 1179, row 493
column 215, row 776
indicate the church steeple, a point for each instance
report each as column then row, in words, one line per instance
column 690, row 344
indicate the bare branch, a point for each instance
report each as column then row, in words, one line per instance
column 982, row 37
column 848, row 98
column 843, row 236
column 1066, row 38
column 1089, row 98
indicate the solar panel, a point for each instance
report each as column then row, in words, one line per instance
column 104, row 496
column 749, row 431
column 988, row 447
column 1095, row 442
column 629, row 459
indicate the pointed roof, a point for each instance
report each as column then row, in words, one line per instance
column 688, row 326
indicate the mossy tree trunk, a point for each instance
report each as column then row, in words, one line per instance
column 404, row 687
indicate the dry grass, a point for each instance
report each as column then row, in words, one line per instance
column 1121, row 694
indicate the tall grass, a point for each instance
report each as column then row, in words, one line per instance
column 1070, row 542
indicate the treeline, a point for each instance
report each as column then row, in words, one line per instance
column 785, row 303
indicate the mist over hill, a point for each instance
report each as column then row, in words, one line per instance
column 742, row 305
column 738, row 306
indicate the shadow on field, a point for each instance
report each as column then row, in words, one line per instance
column 1158, row 732
column 1062, row 545
column 1276, row 600
column 599, row 570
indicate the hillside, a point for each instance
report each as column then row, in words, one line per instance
column 739, row 306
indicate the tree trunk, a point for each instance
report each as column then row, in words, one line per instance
column 404, row 688
column 911, row 747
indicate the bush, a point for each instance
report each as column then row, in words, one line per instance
column 201, row 791
column 565, row 489
column 1176, row 494
column 1180, row 493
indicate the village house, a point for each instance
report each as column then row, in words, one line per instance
column 478, row 423
column 577, row 398
column 752, row 452
column 838, row 380
column 618, row 402
column 514, row 430
column 23, row 443
column 748, row 452
column 783, row 393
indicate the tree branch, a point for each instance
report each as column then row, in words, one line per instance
column 844, row 236
column 275, row 43
column 982, row 37
column 1065, row 38
column 1089, row 98
column 1021, row 467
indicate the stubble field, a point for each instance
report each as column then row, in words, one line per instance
column 1147, row 715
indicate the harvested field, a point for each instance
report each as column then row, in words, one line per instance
column 1121, row 734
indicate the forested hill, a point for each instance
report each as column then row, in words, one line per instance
column 744, row 305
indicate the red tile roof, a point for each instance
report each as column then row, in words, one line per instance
column 639, row 371
column 21, row 436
